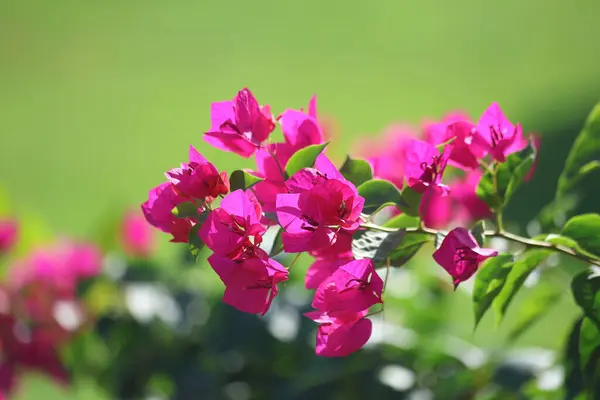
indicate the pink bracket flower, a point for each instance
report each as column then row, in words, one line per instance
column 497, row 135
column 340, row 333
column 354, row 287
column 158, row 212
column 198, row 178
column 251, row 283
column 317, row 209
column 234, row 230
column 239, row 126
column 460, row 255
column 424, row 166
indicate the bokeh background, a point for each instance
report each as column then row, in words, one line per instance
column 99, row 98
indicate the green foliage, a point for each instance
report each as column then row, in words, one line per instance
column 506, row 178
column 356, row 171
column 410, row 245
column 412, row 201
column 195, row 243
column 585, row 231
column 478, row 232
column 521, row 269
column 489, row 280
column 379, row 193
column 535, row 306
column 402, row 221
column 583, row 157
column 185, row 210
column 586, row 292
column 240, row 179
column 304, row 158
column 376, row 245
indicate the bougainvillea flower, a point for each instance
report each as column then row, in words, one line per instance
column 234, row 229
column 158, row 212
column 354, row 286
column 465, row 153
column 301, row 129
column 424, row 165
column 136, row 235
column 270, row 164
column 9, row 232
column 251, row 283
column 387, row 159
column 321, row 269
column 536, row 141
column 316, row 210
column 198, row 178
column 436, row 210
column 461, row 206
column 60, row 266
column 23, row 348
column 460, row 255
column 340, row 333
column 239, row 126
column 340, row 249
column 497, row 135
column 469, row 207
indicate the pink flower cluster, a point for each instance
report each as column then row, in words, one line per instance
column 317, row 210
column 40, row 287
column 406, row 157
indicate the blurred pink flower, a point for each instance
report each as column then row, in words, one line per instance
column 136, row 235
column 9, row 232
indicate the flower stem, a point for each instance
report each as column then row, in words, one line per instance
column 530, row 243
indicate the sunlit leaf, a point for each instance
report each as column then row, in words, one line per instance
column 585, row 230
column 379, row 193
column 489, row 280
column 240, row 179
column 375, row 244
column 304, row 158
column 356, row 171
column 521, row 269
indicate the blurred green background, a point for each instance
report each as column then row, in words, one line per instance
column 99, row 98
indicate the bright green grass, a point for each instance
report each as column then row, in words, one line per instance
column 98, row 98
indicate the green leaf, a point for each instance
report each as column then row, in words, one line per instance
column 356, row 171
column 409, row 246
column 195, row 243
column 478, row 231
column 304, row 158
column 185, row 210
column 376, row 245
column 589, row 344
column 240, row 179
column 535, row 307
column 521, row 269
column 585, row 230
column 574, row 384
column 509, row 176
column 586, row 292
column 583, row 157
column 378, row 193
column 589, row 167
column 402, row 221
column 412, row 200
column 277, row 243
column 489, row 281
